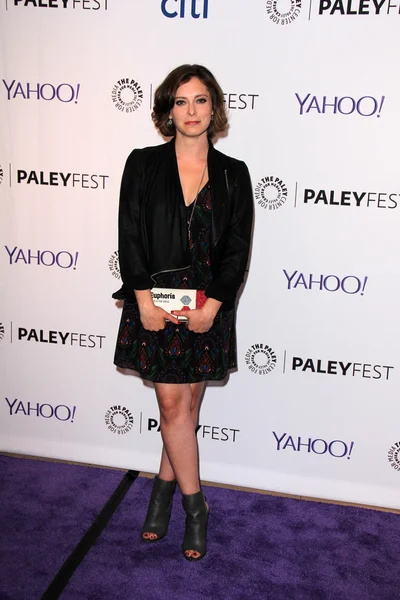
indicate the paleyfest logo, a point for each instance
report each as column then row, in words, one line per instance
column 60, row 179
column 261, row 359
column 1, row 174
column 71, row 4
column 358, row 7
column 127, row 95
column 365, row 106
column 2, row 331
column 283, row 12
column 64, row 92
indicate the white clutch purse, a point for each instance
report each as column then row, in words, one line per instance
column 178, row 299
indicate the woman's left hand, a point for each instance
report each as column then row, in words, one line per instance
column 199, row 320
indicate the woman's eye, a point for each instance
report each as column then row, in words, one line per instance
column 202, row 100
column 179, row 102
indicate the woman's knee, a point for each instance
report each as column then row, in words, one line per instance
column 173, row 403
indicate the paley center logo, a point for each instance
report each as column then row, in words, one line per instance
column 113, row 265
column 61, row 179
column 394, row 456
column 271, row 192
column 119, row 419
column 65, row 4
column 260, row 359
column 46, row 258
column 2, row 331
column 364, row 106
column 63, row 92
column 60, row 412
column 1, row 174
column 283, row 12
column 127, row 95
column 196, row 9
column 349, row 284
column 335, row 448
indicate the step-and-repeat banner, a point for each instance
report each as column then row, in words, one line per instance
column 313, row 98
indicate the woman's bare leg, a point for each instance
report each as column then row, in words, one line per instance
column 166, row 471
column 193, row 401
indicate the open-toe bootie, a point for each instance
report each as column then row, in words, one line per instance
column 159, row 510
column 195, row 539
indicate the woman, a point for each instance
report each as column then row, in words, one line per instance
column 185, row 220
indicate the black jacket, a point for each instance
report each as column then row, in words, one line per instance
column 152, row 221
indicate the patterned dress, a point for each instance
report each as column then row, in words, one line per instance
column 175, row 354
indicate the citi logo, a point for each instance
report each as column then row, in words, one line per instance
column 197, row 9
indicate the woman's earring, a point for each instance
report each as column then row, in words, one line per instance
column 169, row 122
column 212, row 117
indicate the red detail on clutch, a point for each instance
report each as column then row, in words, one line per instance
column 185, row 308
column 201, row 298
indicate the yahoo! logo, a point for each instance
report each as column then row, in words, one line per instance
column 179, row 8
column 336, row 448
column 61, row 412
column 329, row 283
column 64, row 92
column 47, row 258
column 366, row 106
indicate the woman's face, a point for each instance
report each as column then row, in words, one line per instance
column 192, row 108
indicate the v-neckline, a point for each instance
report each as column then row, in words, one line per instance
column 198, row 195
column 179, row 179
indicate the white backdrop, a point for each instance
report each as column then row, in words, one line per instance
column 313, row 101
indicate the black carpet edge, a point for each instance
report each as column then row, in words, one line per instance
column 73, row 561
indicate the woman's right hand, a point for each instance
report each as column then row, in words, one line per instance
column 153, row 317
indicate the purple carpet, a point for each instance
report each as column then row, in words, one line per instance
column 260, row 547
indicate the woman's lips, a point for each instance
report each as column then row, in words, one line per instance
column 192, row 122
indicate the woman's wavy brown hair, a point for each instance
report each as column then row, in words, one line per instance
column 164, row 99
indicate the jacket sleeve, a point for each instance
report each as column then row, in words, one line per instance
column 235, row 252
column 131, row 245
